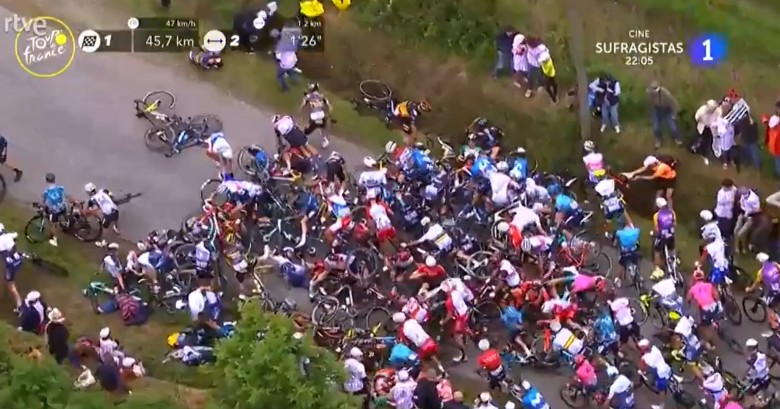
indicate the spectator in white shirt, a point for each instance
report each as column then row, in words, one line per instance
column 723, row 142
column 750, row 204
column 403, row 391
column 725, row 203
column 536, row 50
column 357, row 377
column 706, row 117
column 520, row 60
column 287, row 61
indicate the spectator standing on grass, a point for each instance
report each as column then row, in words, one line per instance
column 504, row 51
column 536, row 51
column 772, row 124
column 747, row 131
column 548, row 76
column 520, row 60
column 723, row 142
column 287, row 61
column 725, row 204
column 57, row 336
column 664, row 111
column 706, row 119
column 606, row 90
column 32, row 313
column 750, row 205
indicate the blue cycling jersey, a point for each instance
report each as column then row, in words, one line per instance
column 533, row 400
column 481, row 167
column 307, row 204
column 421, row 161
column 605, row 329
column 565, row 204
column 511, row 317
column 628, row 239
column 54, row 198
column 520, row 165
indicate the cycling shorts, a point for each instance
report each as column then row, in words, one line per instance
column 629, row 257
column 335, row 171
column 660, row 242
column 296, row 138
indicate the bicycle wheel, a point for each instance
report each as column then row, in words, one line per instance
column 375, row 90
column 248, row 164
column 381, row 318
column 157, row 138
column 166, row 99
column 2, row 188
column 36, row 230
column 573, row 396
column 184, row 278
column 88, row 228
column 208, row 188
column 730, row 307
column 638, row 311
column 184, row 256
column 324, row 312
column 754, row 308
column 210, row 124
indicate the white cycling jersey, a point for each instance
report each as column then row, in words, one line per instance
column 373, row 181
column 524, row 217
column 378, row 213
column 654, row 360
column 593, row 161
column 565, row 340
column 104, row 201
column 436, row 235
column 284, row 125
column 219, row 145
column 499, row 185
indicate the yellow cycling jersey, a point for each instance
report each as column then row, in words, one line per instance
column 402, row 110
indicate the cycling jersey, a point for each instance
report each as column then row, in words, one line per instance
column 664, row 221
column 12, row 258
column 719, row 262
column 511, row 317
column 218, row 144
column 482, row 167
column 510, row 275
column 403, row 110
column 373, row 181
column 338, row 206
column 769, row 274
column 565, row 340
column 605, row 329
column 490, row 361
column 436, row 235
column 499, row 185
column 692, row 347
column 628, row 239
column 657, row 367
column 519, row 168
column 54, row 199
column 758, row 366
column 202, row 257
column 566, row 205
column 306, row 204
column 611, row 199
column 702, row 292
column 621, row 393
column 593, row 162
column 713, row 385
column 103, row 200
column 532, row 399
column 284, row 126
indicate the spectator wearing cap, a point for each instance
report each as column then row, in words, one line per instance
column 108, row 346
column 706, row 117
column 664, row 110
column 32, row 313
column 57, row 336
column 772, row 124
column 503, row 43
column 606, row 91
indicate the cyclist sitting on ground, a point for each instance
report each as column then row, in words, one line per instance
column 769, row 275
column 219, row 150
column 319, row 110
column 296, row 140
column 488, row 136
column 664, row 223
column 406, row 113
column 757, row 375
column 206, row 59
column 55, row 202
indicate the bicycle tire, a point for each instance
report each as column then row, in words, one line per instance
column 207, row 188
column 157, row 138
column 732, row 310
column 247, row 163
column 3, row 188
column 33, row 235
column 638, row 311
column 574, row 392
column 378, row 310
column 152, row 96
column 757, row 305
column 95, row 229
column 211, row 121
column 328, row 313
column 182, row 256
column 384, row 95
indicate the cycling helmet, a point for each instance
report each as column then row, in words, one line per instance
column 424, row 221
column 289, row 305
column 113, row 246
column 424, row 106
column 751, row 343
column 481, row 122
column 430, row 262
column 483, row 345
column 313, row 87
column 502, row 227
column 90, row 187
column 520, row 151
column 369, row 162
column 390, row 147
column 502, row 166
column 471, row 137
column 275, row 119
column 612, row 371
column 660, row 202
column 515, row 174
column 287, row 269
column 485, row 397
column 288, row 250
column 762, row 257
column 335, row 155
column 50, row 178
column 643, row 344
column 589, row 146
column 419, row 145
column 526, row 245
column 706, row 215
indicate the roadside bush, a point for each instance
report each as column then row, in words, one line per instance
column 261, row 365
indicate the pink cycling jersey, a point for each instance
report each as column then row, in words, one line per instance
column 586, row 374
column 702, row 293
column 732, row 405
column 582, row 282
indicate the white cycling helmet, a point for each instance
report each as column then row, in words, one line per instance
column 369, row 162
column 612, row 371
column 399, row 317
column 502, row 227
column 751, row 343
column 275, row 119
column 706, row 215
column 502, row 166
column 390, row 147
column 515, row 174
column 555, row 326
column 430, row 262
column 762, row 257
column 660, row 202
column 90, row 187
column 355, row 352
column 424, row 221
column 589, row 145
column 483, row 345
column 650, row 161
column 707, row 370
column 105, row 332
column 520, row 150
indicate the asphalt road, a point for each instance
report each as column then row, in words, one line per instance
column 81, row 127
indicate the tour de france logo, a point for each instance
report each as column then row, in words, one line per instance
column 45, row 47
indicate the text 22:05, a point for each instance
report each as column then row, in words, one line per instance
column 165, row 40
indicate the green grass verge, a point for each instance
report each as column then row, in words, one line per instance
column 82, row 260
